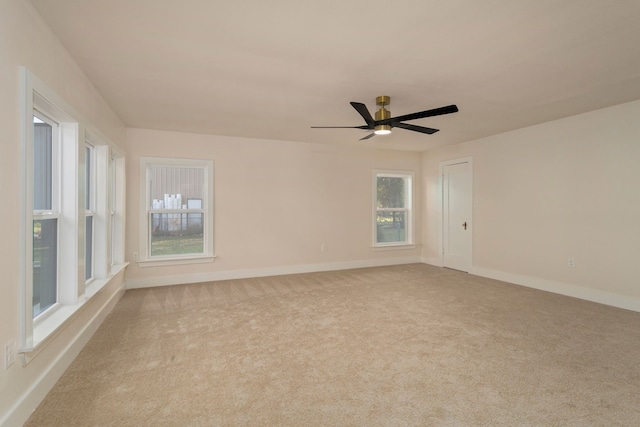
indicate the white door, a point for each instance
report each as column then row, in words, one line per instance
column 456, row 214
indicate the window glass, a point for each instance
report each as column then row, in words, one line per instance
column 89, row 212
column 391, row 227
column 391, row 192
column 393, row 208
column 176, row 210
column 42, row 165
column 111, row 206
column 88, row 256
column 45, row 264
column 45, row 222
column 88, row 180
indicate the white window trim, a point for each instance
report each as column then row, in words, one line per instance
column 115, row 211
column 144, row 257
column 38, row 102
column 73, row 293
column 409, row 243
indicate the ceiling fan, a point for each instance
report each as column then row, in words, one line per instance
column 383, row 122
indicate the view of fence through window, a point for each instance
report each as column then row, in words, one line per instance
column 177, row 210
column 391, row 209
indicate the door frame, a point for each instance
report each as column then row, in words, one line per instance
column 443, row 164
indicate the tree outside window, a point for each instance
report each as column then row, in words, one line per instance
column 393, row 208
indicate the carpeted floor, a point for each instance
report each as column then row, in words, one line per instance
column 410, row 345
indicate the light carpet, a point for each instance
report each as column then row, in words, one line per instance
column 409, row 345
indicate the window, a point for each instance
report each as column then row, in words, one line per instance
column 45, row 213
column 177, row 221
column 393, row 219
column 89, row 206
column 67, row 226
column 52, row 200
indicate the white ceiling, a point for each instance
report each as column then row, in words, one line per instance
column 271, row 69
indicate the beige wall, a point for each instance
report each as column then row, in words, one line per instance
column 275, row 204
column 26, row 41
column 567, row 188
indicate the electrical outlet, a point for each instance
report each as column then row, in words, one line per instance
column 571, row 263
column 9, row 354
column 323, row 247
column 135, row 256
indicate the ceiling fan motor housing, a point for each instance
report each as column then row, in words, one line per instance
column 382, row 114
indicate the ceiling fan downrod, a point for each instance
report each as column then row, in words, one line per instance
column 382, row 114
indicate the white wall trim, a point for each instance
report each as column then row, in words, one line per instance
column 435, row 261
column 263, row 272
column 594, row 295
column 26, row 404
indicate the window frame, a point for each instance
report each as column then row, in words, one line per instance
column 144, row 257
column 409, row 179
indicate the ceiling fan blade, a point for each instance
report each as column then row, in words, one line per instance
column 368, row 136
column 415, row 128
column 340, row 127
column 364, row 112
column 428, row 113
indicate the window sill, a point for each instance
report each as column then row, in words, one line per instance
column 395, row 247
column 160, row 262
column 47, row 328
column 96, row 285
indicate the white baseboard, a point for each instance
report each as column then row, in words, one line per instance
column 26, row 404
column 594, row 295
column 435, row 261
column 262, row 272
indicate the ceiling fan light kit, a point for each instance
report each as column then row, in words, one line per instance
column 383, row 122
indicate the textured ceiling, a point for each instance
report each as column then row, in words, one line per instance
column 272, row 69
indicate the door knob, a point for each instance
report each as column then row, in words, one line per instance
column 464, row 225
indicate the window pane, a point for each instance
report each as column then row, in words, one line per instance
column 171, row 186
column 176, row 234
column 45, row 261
column 87, row 181
column 391, row 227
column 42, row 164
column 112, row 221
column 112, row 208
column 88, row 250
column 390, row 192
